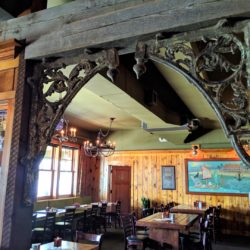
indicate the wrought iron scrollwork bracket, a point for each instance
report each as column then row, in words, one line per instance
column 52, row 91
column 228, row 95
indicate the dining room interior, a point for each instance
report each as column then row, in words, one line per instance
column 124, row 125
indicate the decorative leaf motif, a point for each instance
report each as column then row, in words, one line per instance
column 228, row 94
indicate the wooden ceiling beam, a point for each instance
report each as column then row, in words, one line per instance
column 61, row 31
column 147, row 18
column 35, row 25
column 132, row 22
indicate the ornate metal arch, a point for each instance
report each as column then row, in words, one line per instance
column 49, row 80
column 228, row 95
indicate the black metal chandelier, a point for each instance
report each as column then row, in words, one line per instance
column 101, row 146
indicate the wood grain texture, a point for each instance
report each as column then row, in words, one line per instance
column 114, row 24
column 52, row 19
column 167, row 231
column 146, row 181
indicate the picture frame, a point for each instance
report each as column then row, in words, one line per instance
column 217, row 177
column 168, row 177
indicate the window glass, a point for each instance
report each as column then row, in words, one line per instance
column 66, row 165
column 65, row 183
column 58, row 172
column 46, row 163
column 66, row 153
column 44, row 183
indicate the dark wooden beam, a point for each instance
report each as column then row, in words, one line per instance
column 53, row 19
column 100, row 23
column 135, row 21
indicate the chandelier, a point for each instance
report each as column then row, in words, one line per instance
column 101, row 146
column 64, row 133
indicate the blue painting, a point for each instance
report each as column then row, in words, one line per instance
column 223, row 176
column 168, row 177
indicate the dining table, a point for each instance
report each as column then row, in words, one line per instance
column 41, row 214
column 188, row 209
column 166, row 230
column 69, row 245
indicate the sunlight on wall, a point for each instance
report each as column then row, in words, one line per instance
column 53, row 3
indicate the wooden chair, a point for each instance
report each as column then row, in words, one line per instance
column 147, row 211
column 139, row 230
column 47, row 232
column 172, row 204
column 67, row 224
column 89, row 238
column 101, row 218
column 132, row 241
column 94, row 210
column 84, row 223
column 199, row 242
column 215, row 223
column 115, row 216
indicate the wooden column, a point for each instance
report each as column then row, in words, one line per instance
column 15, row 219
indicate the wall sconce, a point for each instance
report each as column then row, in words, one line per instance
column 195, row 149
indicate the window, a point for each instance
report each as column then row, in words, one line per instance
column 58, row 172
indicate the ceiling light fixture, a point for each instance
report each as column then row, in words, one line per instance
column 64, row 133
column 101, row 146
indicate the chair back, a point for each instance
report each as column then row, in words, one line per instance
column 49, row 226
column 69, row 215
column 128, row 224
column 118, row 207
column 206, row 239
column 94, row 210
column 147, row 211
column 90, row 238
column 172, row 204
column 103, row 209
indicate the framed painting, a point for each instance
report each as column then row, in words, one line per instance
column 217, row 176
column 168, row 177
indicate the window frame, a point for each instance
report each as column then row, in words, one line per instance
column 55, row 169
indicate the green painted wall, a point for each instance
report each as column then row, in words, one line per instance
column 138, row 139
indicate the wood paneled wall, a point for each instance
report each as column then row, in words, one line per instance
column 89, row 177
column 146, row 181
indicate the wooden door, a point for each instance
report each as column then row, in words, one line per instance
column 120, row 186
